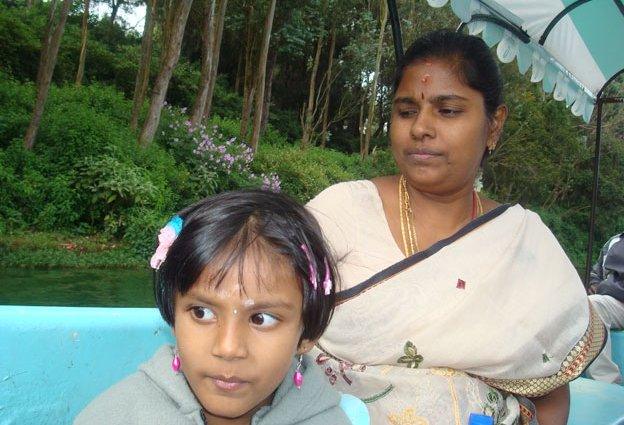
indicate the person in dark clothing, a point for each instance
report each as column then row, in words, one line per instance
column 607, row 296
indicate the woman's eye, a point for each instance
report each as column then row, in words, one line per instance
column 407, row 113
column 263, row 319
column 203, row 313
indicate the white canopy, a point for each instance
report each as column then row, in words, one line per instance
column 574, row 48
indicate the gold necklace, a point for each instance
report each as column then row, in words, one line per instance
column 408, row 229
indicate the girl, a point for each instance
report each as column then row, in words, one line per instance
column 246, row 282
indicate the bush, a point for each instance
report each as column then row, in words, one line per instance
column 305, row 173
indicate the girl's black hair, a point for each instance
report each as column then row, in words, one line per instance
column 470, row 57
column 220, row 230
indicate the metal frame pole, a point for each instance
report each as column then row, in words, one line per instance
column 592, row 216
column 396, row 30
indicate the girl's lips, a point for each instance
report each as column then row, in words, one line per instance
column 228, row 383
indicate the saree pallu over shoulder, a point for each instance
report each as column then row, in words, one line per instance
column 499, row 300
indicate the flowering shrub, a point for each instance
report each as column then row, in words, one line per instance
column 216, row 161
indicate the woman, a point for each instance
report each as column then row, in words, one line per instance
column 450, row 303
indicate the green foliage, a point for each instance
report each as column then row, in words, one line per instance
column 305, row 173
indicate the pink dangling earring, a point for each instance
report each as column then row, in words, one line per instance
column 298, row 376
column 175, row 363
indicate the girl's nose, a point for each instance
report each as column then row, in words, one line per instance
column 422, row 125
column 230, row 341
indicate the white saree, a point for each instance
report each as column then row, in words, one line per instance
column 474, row 324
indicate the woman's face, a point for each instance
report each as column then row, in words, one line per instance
column 236, row 342
column 440, row 129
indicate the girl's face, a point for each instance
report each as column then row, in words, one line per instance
column 439, row 129
column 236, row 343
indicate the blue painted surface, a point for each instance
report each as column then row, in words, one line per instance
column 54, row 360
column 617, row 350
column 355, row 409
column 595, row 402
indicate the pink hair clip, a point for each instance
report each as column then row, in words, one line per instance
column 327, row 282
column 167, row 235
column 311, row 268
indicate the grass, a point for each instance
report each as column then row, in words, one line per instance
column 58, row 250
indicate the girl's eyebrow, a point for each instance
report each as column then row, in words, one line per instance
column 270, row 304
column 257, row 305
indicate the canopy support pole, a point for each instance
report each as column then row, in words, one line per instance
column 592, row 216
column 396, row 30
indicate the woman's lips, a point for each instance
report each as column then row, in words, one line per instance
column 229, row 384
column 420, row 155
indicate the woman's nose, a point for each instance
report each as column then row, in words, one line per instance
column 230, row 341
column 422, row 125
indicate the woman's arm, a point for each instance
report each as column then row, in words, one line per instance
column 553, row 408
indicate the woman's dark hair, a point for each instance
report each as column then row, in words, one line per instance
column 219, row 231
column 469, row 56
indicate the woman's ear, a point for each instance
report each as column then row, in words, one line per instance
column 496, row 126
column 305, row 345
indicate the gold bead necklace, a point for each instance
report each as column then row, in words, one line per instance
column 408, row 229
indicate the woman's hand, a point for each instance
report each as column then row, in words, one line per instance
column 553, row 408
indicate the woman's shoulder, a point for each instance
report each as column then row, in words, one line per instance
column 339, row 192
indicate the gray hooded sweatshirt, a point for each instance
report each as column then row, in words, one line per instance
column 156, row 395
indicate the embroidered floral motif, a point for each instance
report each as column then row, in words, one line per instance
column 491, row 405
column 411, row 358
column 461, row 284
column 407, row 417
column 376, row 397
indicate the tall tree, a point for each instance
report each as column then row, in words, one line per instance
column 142, row 78
column 328, row 79
column 248, row 80
column 264, row 52
column 308, row 129
column 47, row 62
column 180, row 11
column 208, row 35
column 216, row 53
column 373, row 91
column 83, row 43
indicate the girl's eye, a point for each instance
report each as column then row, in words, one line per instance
column 203, row 313
column 263, row 319
column 449, row 112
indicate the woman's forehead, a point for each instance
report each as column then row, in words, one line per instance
column 433, row 75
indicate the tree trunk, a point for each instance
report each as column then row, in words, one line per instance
column 171, row 56
column 208, row 34
column 114, row 9
column 306, row 138
column 239, row 70
column 47, row 62
column 268, row 90
column 83, row 44
column 142, row 78
column 216, row 53
column 328, row 76
column 373, row 99
column 264, row 52
column 248, row 82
